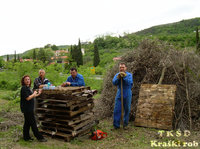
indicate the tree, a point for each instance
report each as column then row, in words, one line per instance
column 34, row 54
column 54, row 48
column 76, row 53
column 47, row 46
column 71, row 52
column 1, row 62
column 197, row 41
column 79, row 54
column 42, row 55
column 18, row 58
column 96, row 60
column 15, row 57
column 7, row 58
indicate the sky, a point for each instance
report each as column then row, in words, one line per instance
column 28, row 24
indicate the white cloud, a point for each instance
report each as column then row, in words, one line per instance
column 26, row 24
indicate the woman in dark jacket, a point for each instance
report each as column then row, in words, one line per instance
column 27, row 108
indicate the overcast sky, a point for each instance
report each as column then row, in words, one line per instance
column 27, row 24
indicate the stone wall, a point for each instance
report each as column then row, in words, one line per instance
column 155, row 106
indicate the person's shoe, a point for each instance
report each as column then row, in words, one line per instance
column 125, row 127
column 115, row 128
column 42, row 140
column 30, row 139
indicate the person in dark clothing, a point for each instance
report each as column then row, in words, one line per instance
column 27, row 108
column 41, row 80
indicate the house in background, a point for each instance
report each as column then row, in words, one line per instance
column 25, row 60
column 59, row 57
column 116, row 59
column 61, row 52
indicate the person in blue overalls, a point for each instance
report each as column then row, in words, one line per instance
column 74, row 80
column 127, row 95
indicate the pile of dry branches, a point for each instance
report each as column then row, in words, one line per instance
column 156, row 62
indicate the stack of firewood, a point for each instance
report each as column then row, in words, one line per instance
column 66, row 112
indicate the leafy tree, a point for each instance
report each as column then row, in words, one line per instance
column 96, row 60
column 54, row 48
column 47, row 46
column 42, row 55
column 100, row 42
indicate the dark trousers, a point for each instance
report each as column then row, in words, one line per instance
column 29, row 121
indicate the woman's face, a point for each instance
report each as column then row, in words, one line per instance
column 27, row 81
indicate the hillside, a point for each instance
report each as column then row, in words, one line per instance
column 181, row 34
column 182, row 27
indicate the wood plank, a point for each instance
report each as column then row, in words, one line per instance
column 82, row 124
column 87, row 127
column 66, row 137
column 72, row 113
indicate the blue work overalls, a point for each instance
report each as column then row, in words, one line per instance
column 127, row 96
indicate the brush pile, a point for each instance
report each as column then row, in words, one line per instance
column 147, row 63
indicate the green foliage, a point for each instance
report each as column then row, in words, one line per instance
column 45, row 54
column 9, row 80
column 76, row 54
column 96, row 60
column 197, row 41
column 54, row 48
column 7, row 58
column 15, row 57
column 79, row 54
column 182, row 27
column 34, row 54
column 2, row 62
column 100, row 70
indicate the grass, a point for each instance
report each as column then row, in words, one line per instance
column 134, row 137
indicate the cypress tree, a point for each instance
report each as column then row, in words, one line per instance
column 96, row 60
column 72, row 52
column 18, row 58
column 197, row 41
column 7, row 58
column 34, row 54
column 79, row 54
column 75, row 53
column 15, row 57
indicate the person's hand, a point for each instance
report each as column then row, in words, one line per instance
column 66, row 83
column 121, row 75
column 39, row 91
column 41, row 86
column 35, row 94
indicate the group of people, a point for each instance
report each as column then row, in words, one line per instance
column 28, row 96
column 75, row 79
